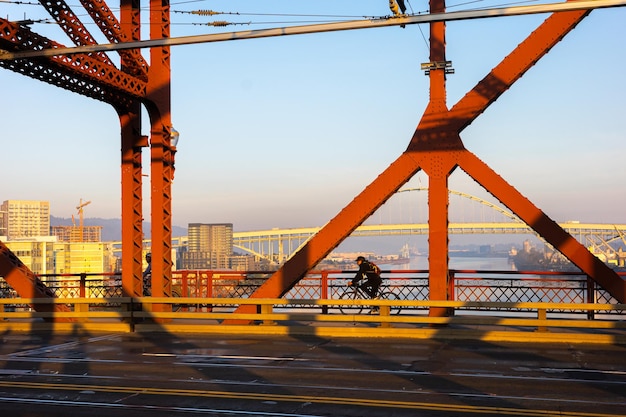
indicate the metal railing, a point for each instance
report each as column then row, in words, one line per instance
column 495, row 291
column 279, row 317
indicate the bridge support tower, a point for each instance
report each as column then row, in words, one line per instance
column 437, row 149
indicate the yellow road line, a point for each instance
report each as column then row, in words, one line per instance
column 299, row 398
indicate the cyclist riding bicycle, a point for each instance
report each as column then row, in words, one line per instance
column 147, row 276
column 371, row 272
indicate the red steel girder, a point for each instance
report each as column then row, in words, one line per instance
column 132, row 192
column 26, row 283
column 439, row 129
column 72, row 26
column 158, row 104
column 547, row 228
column 436, row 147
column 133, row 62
column 78, row 73
column 132, row 202
column 124, row 89
column 525, row 55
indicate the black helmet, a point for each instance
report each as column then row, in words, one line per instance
column 360, row 258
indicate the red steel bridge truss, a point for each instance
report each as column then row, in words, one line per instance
column 436, row 147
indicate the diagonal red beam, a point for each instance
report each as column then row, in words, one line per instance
column 340, row 227
column 542, row 224
column 25, row 282
column 78, row 73
column 134, row 62
column 72, row 26
column 514, row 66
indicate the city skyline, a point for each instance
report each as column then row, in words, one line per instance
column 285, row 132
column 213, row 245
column 382, row 245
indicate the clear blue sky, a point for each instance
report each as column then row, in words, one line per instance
column 284, row 132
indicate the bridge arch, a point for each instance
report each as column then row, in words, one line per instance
column 481, row 201
column 278, row 245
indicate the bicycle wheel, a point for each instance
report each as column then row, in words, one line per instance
column 392, row 297
column 350, row 294
column 176, row 306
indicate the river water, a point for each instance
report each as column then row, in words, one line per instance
column 482, row 263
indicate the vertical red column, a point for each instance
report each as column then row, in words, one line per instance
column 132, row 233
column 438, row 170
column 438, row 55
column 438, row 241
column 132, row 142
column 162, row 157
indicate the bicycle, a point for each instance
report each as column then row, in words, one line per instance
column 176, row 293
column 355, row 292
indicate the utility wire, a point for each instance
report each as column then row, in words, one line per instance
column 220, row 23
column 206, row 12
column 20, row 2
column 512, row 3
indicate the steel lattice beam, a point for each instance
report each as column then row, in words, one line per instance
column 133, row 62
column 72, row 26
column 132, row 181
column 158, row 96
column 93, row 75
column 132, row 210
column 77, row 73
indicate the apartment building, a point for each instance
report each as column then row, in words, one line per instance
column 210, row 246
column 23, row 219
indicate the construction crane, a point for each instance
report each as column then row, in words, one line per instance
column 79, row 207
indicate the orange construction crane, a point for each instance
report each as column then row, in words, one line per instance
column 79, row 207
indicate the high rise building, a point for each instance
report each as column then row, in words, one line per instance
column 210, row 246
column 77, row 233
column 25, row 219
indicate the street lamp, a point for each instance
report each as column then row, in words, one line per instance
column 174, row 137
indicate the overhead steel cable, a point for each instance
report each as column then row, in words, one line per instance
column 207, row 12
column 217, row 23
column 300, row 22
column 507, row 4
column 330, row 27
column 29, row 3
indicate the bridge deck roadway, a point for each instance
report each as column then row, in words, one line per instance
column 164, row 374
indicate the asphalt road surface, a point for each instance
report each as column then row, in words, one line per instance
column 161, row 374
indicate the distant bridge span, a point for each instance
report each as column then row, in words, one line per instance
column 277, row 245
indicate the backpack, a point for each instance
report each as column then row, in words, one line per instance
column 374, row 268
